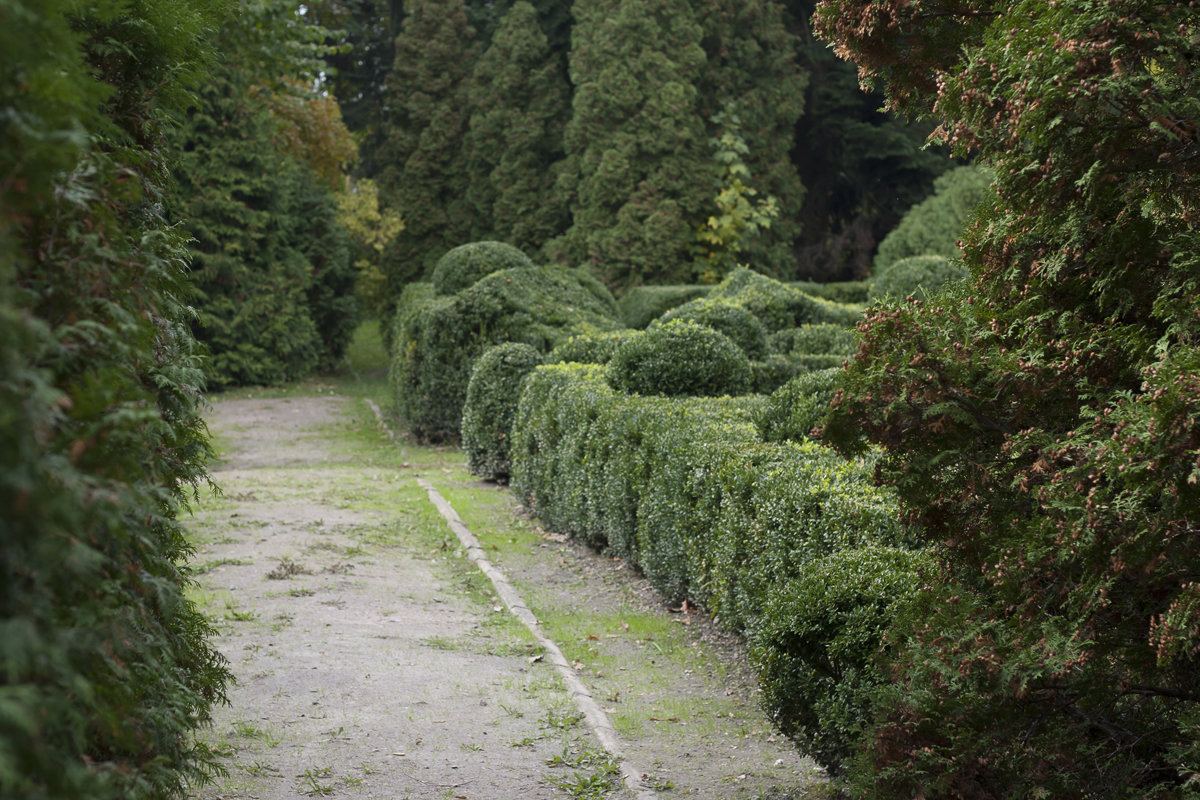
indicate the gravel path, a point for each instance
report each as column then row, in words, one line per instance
column 374, row 660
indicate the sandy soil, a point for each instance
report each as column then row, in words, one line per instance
column 373, row 661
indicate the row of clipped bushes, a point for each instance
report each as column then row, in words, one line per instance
column 723, row 502
column 487, row 293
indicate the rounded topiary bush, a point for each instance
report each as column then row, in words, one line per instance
column 745, row 329
column 822, row 339
column 934, row 226
column 590, row 348
column 918, row 276
column 492, row 396
column 465, row 264
column 681, row 358
column 814, row 646
column 795, row 408
column 641, row 305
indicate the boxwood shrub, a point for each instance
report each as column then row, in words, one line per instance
column 918, row 276
column 641, row 305
column 813, row 646
column 437, row 338
column 772, row 372
column 491, row 404
column 721, row 315
column 591, row 348
column 778, row 305
column 836, row 291
column 686, row 490
column 821, row 339
column 681, row 358
column 795, row 408
column 463, row 265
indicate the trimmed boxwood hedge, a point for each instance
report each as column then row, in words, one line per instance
column 641, row 305
column 779, row 306
column 681, row 358
column 462, row 266
column 436, row 338
column 686, row 490
column 591, row 348
column 795, row 408
column 821, row 339
column 725, row 317
column 491, row 404
column 836, row 291
column 918, row 276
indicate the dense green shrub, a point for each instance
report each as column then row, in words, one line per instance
column 107, row 670
column 684, row 489
column 821, row 339
column 436, row 338
column 934, row 226
column 778, row 305
column 918, row 276
column 835, row 291
column 814, row 644
column 681, row 358
column 772, row 372
column 463, row 265
column 591, row 348
column 742, row 327
column 797, row 406
column 641, row 305
column 491, row 404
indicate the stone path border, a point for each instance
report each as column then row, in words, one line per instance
column 595, row 716
column 597, row 720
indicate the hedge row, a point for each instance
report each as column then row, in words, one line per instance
column 783, row 541
column 436, row 338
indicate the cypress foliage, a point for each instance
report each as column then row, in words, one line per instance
column 751, row 66
column 519, row 105
column 271, row 263
column 639, row 173
column 426, row 178
column 106, row 665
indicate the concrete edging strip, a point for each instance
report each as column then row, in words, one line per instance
column 596, row 718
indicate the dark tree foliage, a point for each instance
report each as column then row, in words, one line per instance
column 862, row 167
column 520, row 103
column 425, row 175
column 107, row 667
column 638, row 178
column 1043, row 424
column 270, row 261
column 751, row 68
column 363, row 50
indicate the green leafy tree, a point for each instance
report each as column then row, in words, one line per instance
column 1043, row 423
column 425, row 177
column 108, row 670
column 638, row 177
column 271, row 262
column 519, row 105
column 751, row 66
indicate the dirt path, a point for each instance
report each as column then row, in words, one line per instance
column 374, row 660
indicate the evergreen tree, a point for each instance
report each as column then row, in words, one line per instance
column 519, row 104
column 1043, row 424
column 106, row 666
column 271, row 264
column 425, row 177
column 751, row 67
column 639, row 174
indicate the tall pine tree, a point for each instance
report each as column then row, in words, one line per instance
column 519, row 105
column 426, row 178
column 639, row 175
column 752, row 68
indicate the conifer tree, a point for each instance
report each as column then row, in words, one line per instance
column 425, row 178
column 639, row 174
column 751, row 67
column 519, row 103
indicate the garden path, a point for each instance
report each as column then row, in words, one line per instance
column 374, row 660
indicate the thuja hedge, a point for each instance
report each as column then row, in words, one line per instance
column 687, row 490
column 437, row 338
